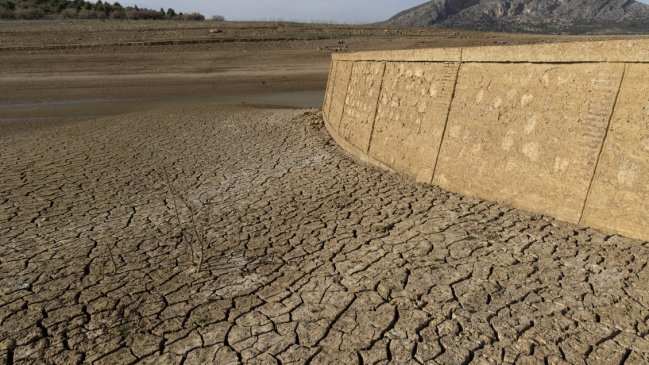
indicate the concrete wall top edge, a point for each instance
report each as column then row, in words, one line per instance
column 631, row 51
column 410, row 55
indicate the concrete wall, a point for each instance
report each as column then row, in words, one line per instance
column 558, row 129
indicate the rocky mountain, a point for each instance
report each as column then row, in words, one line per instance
column 538, row 16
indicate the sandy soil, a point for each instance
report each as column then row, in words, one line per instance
column 308, row 256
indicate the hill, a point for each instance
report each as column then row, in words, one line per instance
column 80, row 9
column 535, row 16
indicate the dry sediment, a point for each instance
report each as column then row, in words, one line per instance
column 312, row 256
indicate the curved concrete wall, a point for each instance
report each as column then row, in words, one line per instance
column 557, row 129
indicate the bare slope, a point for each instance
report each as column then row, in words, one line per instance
column 552, row 16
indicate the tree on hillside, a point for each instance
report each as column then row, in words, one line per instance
column 9, row 5
column 82, row 9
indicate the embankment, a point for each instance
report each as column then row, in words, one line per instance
column 556, row 129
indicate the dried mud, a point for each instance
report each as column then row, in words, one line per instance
column 312, row 256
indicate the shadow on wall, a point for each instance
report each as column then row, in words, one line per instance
column 557, row 129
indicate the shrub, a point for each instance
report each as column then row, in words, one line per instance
column 218, row 18
column 191, row 16
column 136, row 14
column 9, row 5
column 6, row 14
column 118, row 14
column 87, row 14
column 133, row 14
column 28, row 14
column 68, row 14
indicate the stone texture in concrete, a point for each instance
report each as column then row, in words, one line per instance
column 361, row 103
column 409, row 55
column 326, row 104
column 526, row 128
column 619, row 197
column 338, row 91
column 636, row 50
column 528, row 135
column 412, row 112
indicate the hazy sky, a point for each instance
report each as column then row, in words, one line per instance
column 350, row 11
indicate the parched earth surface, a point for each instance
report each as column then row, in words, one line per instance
column 309, row 255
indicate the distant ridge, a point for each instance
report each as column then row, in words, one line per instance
column 536, row 16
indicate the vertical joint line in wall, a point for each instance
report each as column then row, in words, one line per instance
column 376, row 109
column 448, row 115
column 331, row 86
column 601, row 148
column 349, row 81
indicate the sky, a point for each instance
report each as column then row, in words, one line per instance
column 340, row 11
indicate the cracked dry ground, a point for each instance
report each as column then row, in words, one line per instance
column 313, row 257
